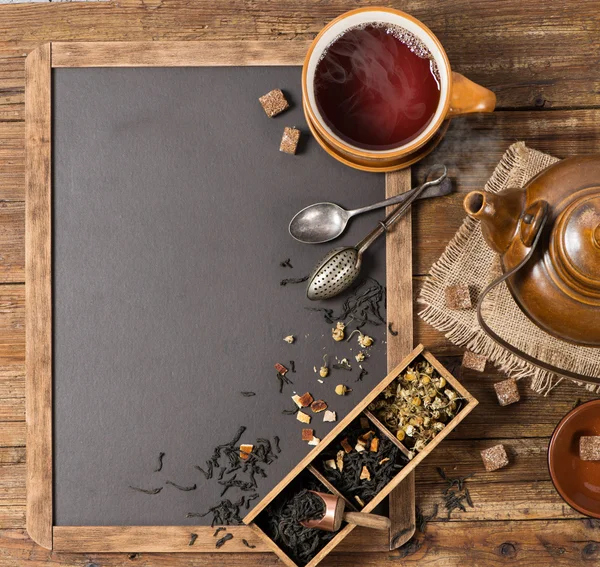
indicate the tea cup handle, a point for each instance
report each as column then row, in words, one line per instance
column 467, row 97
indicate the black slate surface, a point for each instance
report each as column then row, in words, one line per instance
column 170, row 213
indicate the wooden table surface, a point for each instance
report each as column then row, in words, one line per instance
column 542, row 60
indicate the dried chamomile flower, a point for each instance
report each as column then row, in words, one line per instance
column 324, row 370
column 360, row 357
column 338, row 332
column 289, row 339
column 363, row 340
column 342, row 390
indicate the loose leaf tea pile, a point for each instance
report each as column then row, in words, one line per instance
column 282, row 519
column 361, row 462
column 417, row 405
column 363, row 306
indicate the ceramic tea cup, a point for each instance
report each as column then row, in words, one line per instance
column 456, row 94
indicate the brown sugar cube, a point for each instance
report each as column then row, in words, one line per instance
column 274, row 103
column 494, row 458
column 474, row 361
column 289, row 140
column 458, row 297
column 589, row 448
column 307, row 434
column 507, row 392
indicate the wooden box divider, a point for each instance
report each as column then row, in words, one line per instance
column 383, row 429
column 361, row 410
column 331, row 487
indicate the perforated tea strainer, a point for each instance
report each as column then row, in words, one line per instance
column 340, row 267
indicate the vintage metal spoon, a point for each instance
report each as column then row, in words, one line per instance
column 322, row 222
column 335, row 513
column 338, row 269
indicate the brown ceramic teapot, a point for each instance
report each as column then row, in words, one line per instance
column 548, row 238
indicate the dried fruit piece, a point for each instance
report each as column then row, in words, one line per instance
column 589, row 448
column 374, row 445
column 245, row 451
column 365, row 438
column 329, row 416
column 359, row 448
column 507, row 392
column 494, row 458
column 330, row 464
column 296, row 399
column 345, row 445
column 474, row 361
column 365, row 423
column 365, row 474
column 342, row 390
column 281, row 369
column 458, row 297
column 274, row 103
column 307, row 434
column 384, row 460
column 339, row 459
column 359, row 500
column 289, row 140
column 289, row 339
column 305, row 400
column 318, row 406
column 314, row 441
column 303, row 417
column 338, row 332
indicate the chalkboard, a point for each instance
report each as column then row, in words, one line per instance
column 171, row 203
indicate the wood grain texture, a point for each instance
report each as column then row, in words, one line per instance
column 400, row 315
column 180, row 54
column 38, row 312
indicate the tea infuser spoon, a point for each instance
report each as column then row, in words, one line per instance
column 335, row 514
column 340, row 267
column 322, row 222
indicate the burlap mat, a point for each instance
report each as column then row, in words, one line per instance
column 468, row 260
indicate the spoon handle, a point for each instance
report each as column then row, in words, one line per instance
column 399, row 211
column 399, row 199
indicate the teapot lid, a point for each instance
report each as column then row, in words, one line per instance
column 575, row 244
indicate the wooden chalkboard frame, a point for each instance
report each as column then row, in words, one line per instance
column 38, row 307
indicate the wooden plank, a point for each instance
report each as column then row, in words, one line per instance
column 12, row 434
column 12, row 237
column 535, row 500
column 563, row 543
column 12, row 162
column 528, row 462
column 167, row 539
column 38, row 298
column 180, row 54
column 400, row 313
column 541, row 59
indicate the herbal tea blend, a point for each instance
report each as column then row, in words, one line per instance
column 361, row 462
column 417, row 405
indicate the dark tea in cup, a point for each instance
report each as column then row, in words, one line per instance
column 377, row 86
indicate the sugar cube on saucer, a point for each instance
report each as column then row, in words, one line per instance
column 589, row 447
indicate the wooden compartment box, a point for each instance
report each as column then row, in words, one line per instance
column 312, row 471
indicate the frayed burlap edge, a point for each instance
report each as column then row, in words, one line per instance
column 511, row 170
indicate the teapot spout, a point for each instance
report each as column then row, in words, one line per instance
column 499, row 214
